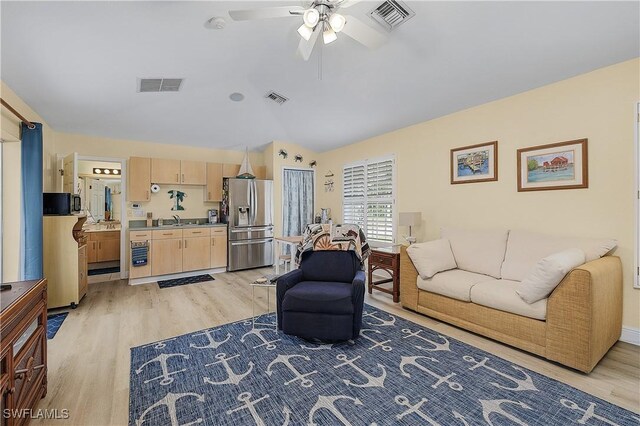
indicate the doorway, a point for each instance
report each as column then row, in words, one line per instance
column 100, row 182
column 298, row 200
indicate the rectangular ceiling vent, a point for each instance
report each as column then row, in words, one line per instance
column 146, row 85
column 277, row 98
column 391, row 14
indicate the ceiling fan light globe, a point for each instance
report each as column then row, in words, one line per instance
column 329, row 36
column 337, row 21
column 305, row 32
column 311, row 17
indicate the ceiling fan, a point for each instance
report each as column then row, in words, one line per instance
column 320, row 17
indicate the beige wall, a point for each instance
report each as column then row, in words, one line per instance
column 11, row 171
column 599, row 106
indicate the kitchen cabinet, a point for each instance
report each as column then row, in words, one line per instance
column 139, row 177
column 213, row 191
column 193, row 172
column 218, row 247
column 64, row 259
column 103, row 246
column 230, row 170
column 143, row 270
column 165, row 171
column 196, row 254
column 166, row 256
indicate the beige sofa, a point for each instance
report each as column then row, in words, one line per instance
column 575, row 326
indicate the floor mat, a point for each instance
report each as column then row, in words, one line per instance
column 100, row 271
column 184, row 281
column 54, row 322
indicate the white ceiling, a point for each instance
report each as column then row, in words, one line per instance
column 76, row 63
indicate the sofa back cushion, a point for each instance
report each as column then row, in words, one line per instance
column 432, row 257
column 525, row 249
column 481, row 252
column 330, row 265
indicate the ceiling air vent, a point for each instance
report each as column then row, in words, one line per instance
column 391, row 14
column 159, row 84
column 276, row 97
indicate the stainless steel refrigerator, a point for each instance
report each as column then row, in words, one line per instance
column 247, row 209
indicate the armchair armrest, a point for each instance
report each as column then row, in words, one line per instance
column 357, row 296
column 408, row 281
column 283, row 284
column 584, row 314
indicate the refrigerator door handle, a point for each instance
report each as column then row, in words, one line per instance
column 245, row 243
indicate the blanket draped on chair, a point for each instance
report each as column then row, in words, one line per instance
column 344, row 237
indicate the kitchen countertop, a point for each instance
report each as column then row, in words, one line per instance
column 100, row 228
column 151, row 228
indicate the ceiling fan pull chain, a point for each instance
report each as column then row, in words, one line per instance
column 320, row 61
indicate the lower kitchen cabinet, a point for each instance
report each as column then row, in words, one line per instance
column 173, row 251
column 219, row 248
column 196, row 254
column 166, row 256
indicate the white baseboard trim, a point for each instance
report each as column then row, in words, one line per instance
column 630, row 335
column 147, row 280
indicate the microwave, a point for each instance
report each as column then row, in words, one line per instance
column 60, row 203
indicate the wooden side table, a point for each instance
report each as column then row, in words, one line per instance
column 388, row 260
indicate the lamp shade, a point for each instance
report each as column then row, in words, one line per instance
column 410, row 218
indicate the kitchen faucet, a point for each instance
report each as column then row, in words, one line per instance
column 177, row 218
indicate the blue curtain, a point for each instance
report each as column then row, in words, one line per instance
column 31, row 235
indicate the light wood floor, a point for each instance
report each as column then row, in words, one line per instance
column 89, row 357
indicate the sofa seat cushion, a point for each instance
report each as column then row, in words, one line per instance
column 320, row 297
column 501, row 295
column 481, row 252
column 455, row 283
column 525, row 249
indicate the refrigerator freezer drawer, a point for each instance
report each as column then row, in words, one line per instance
column 250, row 233
column 250, row 254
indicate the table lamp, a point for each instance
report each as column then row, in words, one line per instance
column 410, row 219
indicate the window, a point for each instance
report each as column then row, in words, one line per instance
column 367, row 198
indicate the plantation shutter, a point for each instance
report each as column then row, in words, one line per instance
column 353, row 197
column 368, row 198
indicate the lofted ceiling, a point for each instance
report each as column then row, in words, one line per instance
column 77, row 64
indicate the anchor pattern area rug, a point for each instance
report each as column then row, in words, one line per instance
column 397, row 372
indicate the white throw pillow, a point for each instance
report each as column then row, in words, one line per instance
column 479, row 251
column 547, row 274
column 525, row 248
column 432, row 257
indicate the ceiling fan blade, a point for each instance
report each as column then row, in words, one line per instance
column 305, row 47
column 265, row 13
column 348, row 3
column 362, row 33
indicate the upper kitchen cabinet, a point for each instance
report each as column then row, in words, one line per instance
column 165, row 171
column 213, row 191
column 179, row 172
column 193, row 173
column 139, row 179
column 230, row 170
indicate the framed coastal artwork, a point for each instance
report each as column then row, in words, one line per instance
column 560, row 165
column 475, row 163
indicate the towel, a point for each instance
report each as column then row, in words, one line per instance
column 139, row 253
column 343, row 237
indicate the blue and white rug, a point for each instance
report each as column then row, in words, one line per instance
column 54, row 322
column 397, row 372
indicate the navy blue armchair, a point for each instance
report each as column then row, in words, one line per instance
column 323, row 299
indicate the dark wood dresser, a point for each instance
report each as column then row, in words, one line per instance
column 23, row 348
